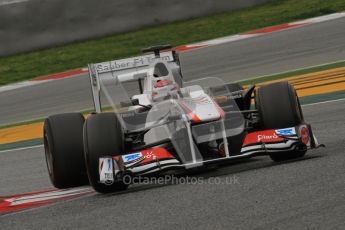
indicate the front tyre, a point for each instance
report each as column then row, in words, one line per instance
column 278, row 108
column 103, row 137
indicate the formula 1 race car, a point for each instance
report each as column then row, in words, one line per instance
column 149, row 121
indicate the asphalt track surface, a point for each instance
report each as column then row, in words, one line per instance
column 268, row 54
column 301, row 194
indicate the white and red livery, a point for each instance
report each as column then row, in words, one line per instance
column 167, row 124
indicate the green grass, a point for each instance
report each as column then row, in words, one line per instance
column 76, row 55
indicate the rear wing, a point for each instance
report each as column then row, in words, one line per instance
column 125, row 70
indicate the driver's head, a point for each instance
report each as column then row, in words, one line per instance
column 163, row 89
column 162, row 83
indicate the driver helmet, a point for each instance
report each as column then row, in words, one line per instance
column 164, row 89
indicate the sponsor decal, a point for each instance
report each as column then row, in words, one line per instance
column 110, row 164
column 266, row 136
column 150, row 155
column 108, row 177
column 131, row 157
column 156, row 154
column 106, row 170
column 286, row 132
column 129, row 63
column 144, row 157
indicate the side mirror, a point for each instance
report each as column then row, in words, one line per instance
column 129, row 103
column 135, row 101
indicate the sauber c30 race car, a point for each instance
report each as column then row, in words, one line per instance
column 149, row 121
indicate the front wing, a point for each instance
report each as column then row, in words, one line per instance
column 159, row 159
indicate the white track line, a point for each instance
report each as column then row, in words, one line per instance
column 11, row 2
column 23, row 148
column 323, row 102
column 323, row 18
column 22, row 84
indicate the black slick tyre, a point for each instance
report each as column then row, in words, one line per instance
column 103, row 137
column 278, row 107
column 63, row 144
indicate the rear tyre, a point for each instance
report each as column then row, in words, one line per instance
column 278, row 108
column 103, row 137
column 63, row 145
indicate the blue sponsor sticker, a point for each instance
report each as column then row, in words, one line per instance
column 289, row 131
column 110, row 164
column 131, row 157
